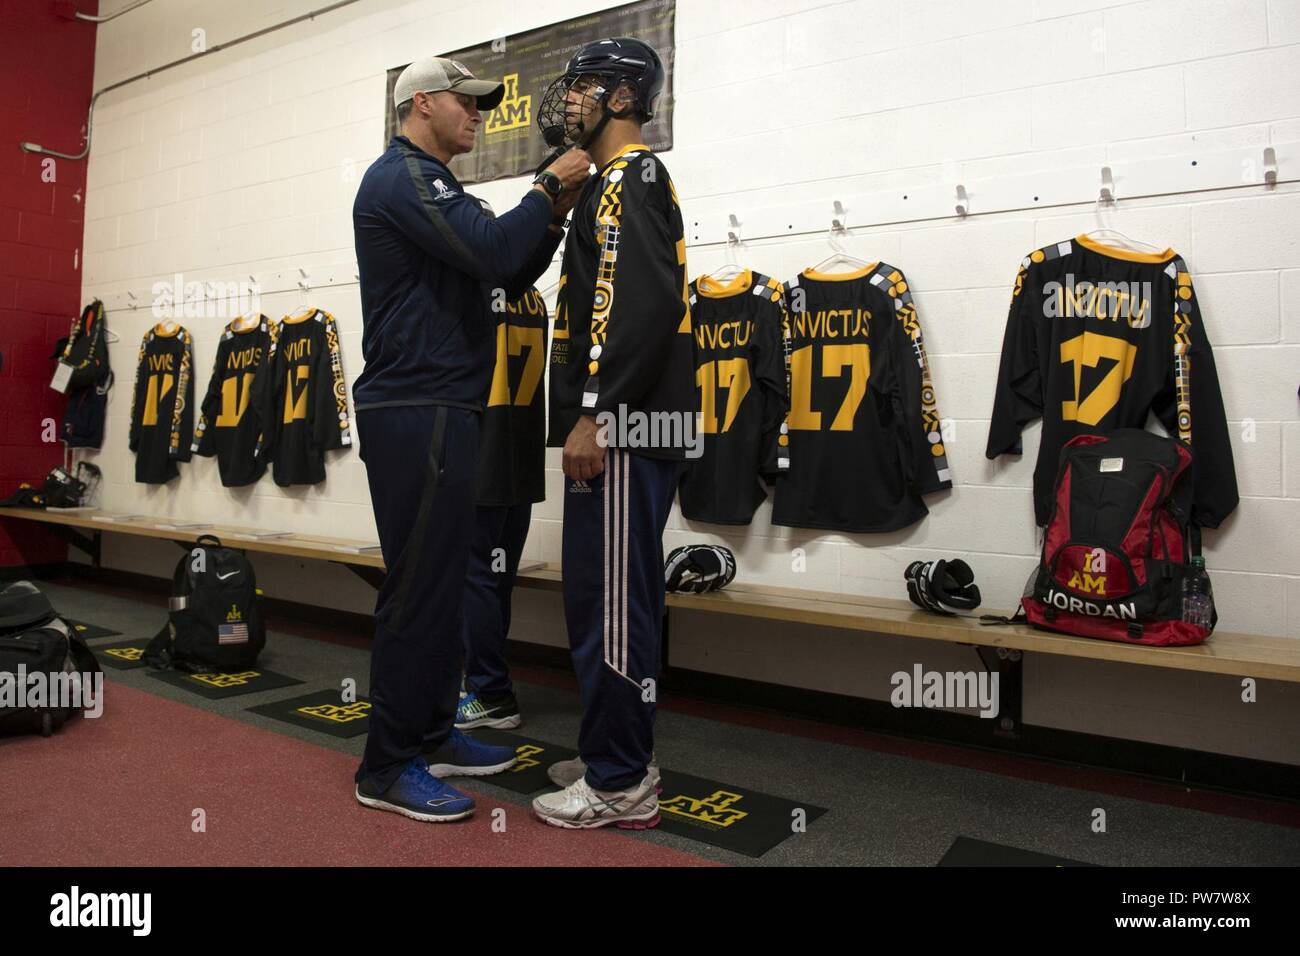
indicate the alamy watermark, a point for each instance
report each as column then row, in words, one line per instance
column 75, row 908
column 39, row 690
column 1130, row 301
column 628, row 428
column 951, row 689
column 177, row 298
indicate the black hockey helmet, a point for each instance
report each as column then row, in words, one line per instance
column 613, row 61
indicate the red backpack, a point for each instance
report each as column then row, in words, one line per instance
column 1119, row 543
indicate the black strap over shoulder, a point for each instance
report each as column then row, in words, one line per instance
column 449, row 235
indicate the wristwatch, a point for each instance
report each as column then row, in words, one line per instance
column 551, row 183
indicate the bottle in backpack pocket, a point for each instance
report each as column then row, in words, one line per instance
column 1198, row 600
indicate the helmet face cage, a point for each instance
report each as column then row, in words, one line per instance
column 566, row 101
column 574, row 96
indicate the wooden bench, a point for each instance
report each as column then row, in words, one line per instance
column 1243, row 655
column 1001, row 648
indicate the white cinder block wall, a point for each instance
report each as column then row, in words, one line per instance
column 247, row 161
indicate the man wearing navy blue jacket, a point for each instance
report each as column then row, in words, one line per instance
column 430, row 261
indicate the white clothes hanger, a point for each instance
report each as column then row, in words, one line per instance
column 1115, row 237
column 839, row 257
column 731, row 268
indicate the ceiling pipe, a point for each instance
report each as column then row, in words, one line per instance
column 90, row 114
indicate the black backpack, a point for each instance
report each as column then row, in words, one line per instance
column 215, row 613
column 34, row 637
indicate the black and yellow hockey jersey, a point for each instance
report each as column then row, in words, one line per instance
column 864, row 429
column 162, row 404
column 305, row 400
column 229, row 425
column 1097, row 338
column 622, row 341
column 740, row 374
column 512, row 431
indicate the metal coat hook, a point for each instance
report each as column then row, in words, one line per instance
column 839, row 218
column 304, row 286
column 1107, row 193
column 733, row 233
column 1270, row 166
column 963, row 201
column 130, row 300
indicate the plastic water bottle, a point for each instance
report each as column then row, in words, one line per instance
column 1196, row 594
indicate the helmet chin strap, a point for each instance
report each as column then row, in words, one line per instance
column 609, row 114
column 590, row 138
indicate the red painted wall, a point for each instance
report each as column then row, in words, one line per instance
column 47, row 65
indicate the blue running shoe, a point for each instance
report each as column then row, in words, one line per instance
column 419, row 796
column 463, row 756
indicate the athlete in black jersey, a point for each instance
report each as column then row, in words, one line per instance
column 623, row 406
column 511, row 479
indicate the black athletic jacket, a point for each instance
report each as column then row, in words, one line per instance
column 426, row 252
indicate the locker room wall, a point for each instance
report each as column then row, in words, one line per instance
column 248, row 162
column 40, row 242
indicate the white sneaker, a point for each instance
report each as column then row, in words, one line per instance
column 566, row 772
column 579, row 807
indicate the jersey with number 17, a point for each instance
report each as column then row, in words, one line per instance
column 229, row 425
column 1100, row 337
column 864, row 426
column 512, row 436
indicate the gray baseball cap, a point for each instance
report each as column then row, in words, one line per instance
column 435, row 73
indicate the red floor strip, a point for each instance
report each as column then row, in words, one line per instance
column 121, row 790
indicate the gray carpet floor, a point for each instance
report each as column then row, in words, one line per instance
column 883, row 808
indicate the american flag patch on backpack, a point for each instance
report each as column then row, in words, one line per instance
column 232, row 634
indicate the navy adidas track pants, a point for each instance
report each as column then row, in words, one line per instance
column 499, row 536
column 420, row 464
column 613, row 570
